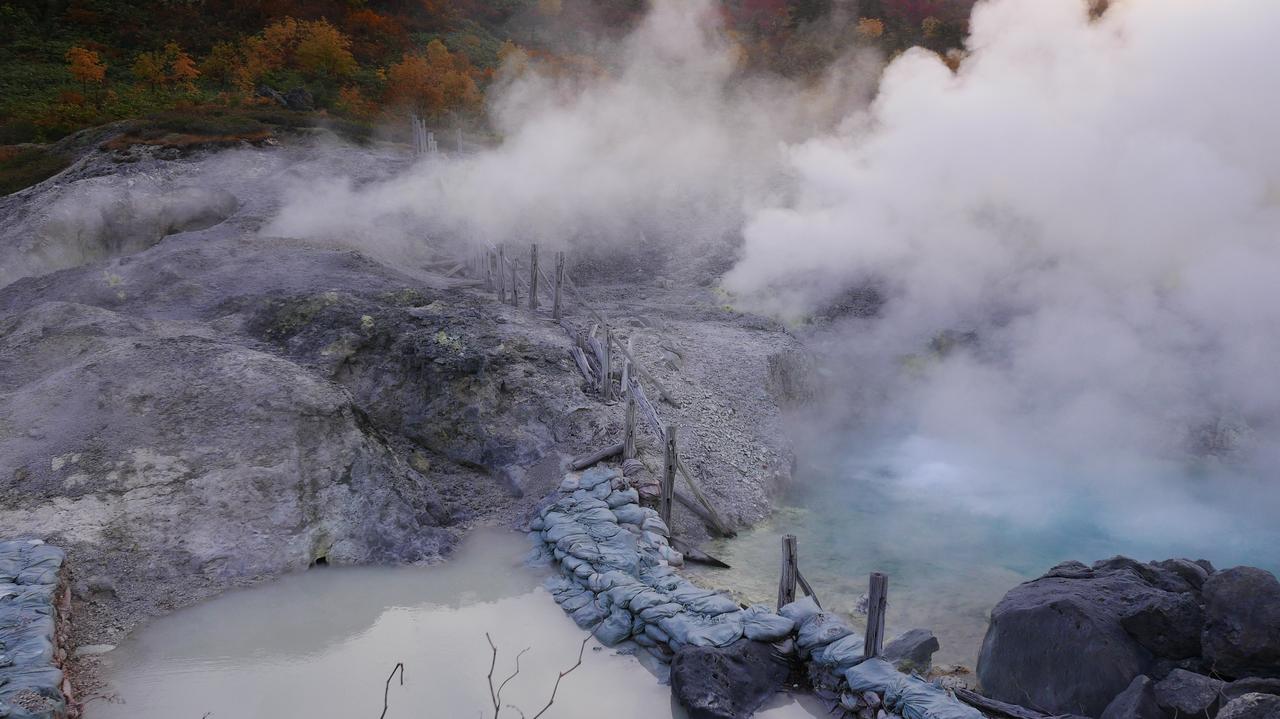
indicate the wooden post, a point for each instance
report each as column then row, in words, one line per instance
column 606, row 372
column 533, row 277
column 555, row 310
column 488, row 269
column 629, row 429
column 515, row 282
column 787, row 582
column 502, row 274
column 668, row 476
column 877, row 601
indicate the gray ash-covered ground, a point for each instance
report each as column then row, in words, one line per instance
column 207, row 408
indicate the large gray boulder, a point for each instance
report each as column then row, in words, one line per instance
column 1138, row 701
column 727, row 682
column 1059, row 642
column 1242, row 628
column 1252, row 706
column 1185, row 693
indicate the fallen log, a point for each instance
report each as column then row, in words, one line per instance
column 587, row 460
column 992, row 706
column 662, row 391
column 697, row 556
column 696, row 507
column 720, row 524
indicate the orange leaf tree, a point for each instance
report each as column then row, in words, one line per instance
column 86, row 67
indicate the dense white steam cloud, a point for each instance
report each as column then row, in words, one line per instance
column 1091, row 206
column 1099, row 203
column 672, row 139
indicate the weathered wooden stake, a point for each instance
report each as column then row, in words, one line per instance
column 877, row 602
column 787, row 582
column 515, row 282
column 555, row 310
column 502, row 274
column 629, row 428
column 668, row 476
column 488, row 270
column 606, row 372
column 533, row 277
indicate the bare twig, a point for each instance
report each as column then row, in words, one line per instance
column 498, row 697
column 493, row 697
column 564, row 674
column 386, row 692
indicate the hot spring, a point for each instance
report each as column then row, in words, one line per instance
column 952, row 549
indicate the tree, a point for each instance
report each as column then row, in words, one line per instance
column 870, row 28
column 86, row 67
column 412, row 85
column 221, row 64
column 148, row 68
column 182, row 69
column 323, row 51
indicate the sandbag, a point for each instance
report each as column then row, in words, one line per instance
column 905, row 695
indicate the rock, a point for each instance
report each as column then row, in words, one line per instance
column 726, row 682
column 1252, row 706
column 1168, row 624
column 1185, row 693
column 1242, row 622
column 912, row 652
column 299, row 99
column 1057, row 643
column 1194, row 574
column 271, row 94
column 1251, row 685
column 1136, row 702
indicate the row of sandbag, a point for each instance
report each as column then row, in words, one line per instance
column 863, row 688
column 617, row 577
column 30, row 680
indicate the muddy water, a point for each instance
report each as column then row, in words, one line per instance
column 321, row 644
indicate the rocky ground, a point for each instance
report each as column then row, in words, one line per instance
column 187, row 405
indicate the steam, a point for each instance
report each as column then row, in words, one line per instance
column 671, row 139
column 1091, row 208
column 1076, row 236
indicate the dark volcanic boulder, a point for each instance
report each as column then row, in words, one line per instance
column 1136, row 702
column 1252, row 706
column 1250, row 685
column 1185, row 693
column 913, row 651
column 1167, row 623
column 1242, row 622
column 727, row 682
column 1058, row 642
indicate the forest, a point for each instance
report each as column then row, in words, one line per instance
column 66, row 65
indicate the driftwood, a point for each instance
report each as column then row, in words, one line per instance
column 719, row 524
column 646, row 408
column 693, row 505
column 992, row 706
column 662, row 391
column 697, row 556
column 808, row 590
column 584, row 367
column 587, row 460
